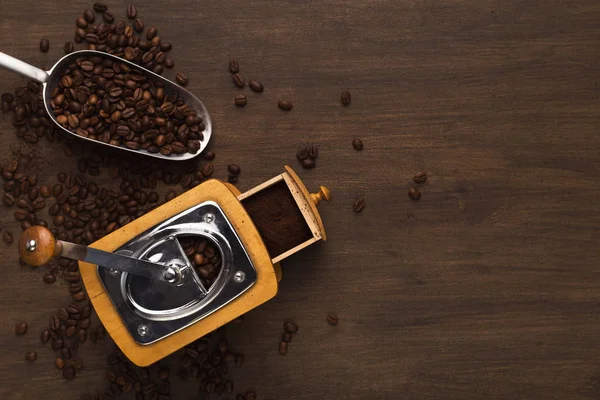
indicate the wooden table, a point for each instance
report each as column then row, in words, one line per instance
column 485, row 289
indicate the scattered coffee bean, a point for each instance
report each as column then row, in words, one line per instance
column 313, row 152
column 283, row 347
column 286, row 337
column 234, row 66
column 208, row 155
column 45, row 336
column 181, row 79
column 285, row 105
column 7, row 237
column 21, row 328
column 332, row 319
column 100, row 7
column 68, row 373
column 346, row 98
column 358, row 205
column 49, row 278
column 59, row 363
column 138, row 25
column 241, row 100
column 290, row 327
column 414, row 193
column 234, row 169
column 256, row 86
column 31, row 356
column 151, row 32
column 44, row 45
column 238, row 80
column 420, row 177
column 131, row 11
column 357, row 144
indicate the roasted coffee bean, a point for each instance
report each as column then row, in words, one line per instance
column 79, row 296
column 45, row 191
column 59, row 363
column 21, row 328
column 256, row 86
column 68, row 373
column 283, row 347
column 414, row 193
column 65, row 353
column 108, row 17
column 420, row 177
column 208, row 155
column 89, row 16
column 234, row 66
column 181, row 79
column 357, row 144
column 290, row 327
column 302, row 154
column 332, row 319
column 44, row 45
column 138, row 25
column 70, row 331
column 58, row 344
column 7, row 237
column 286, row 337
column 234, row 169
column 54, row 323
column 241, row 100
column 345, row 98
column 151, row 32
column 308, row 163
column 358, row 205
column 100, row 7
column 31, row 356
column 45, row 336
column 63, row 314
column 313, row 152
column 49, row 278
column 285, row 105
column 131, row 11
column 238, row 80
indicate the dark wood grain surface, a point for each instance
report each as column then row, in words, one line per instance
column 487, row 288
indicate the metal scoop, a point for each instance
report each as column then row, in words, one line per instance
column 50, row 79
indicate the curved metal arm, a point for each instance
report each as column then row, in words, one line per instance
column 23, row 68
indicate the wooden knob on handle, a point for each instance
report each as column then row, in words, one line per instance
column 37, row 246
column 324, row 194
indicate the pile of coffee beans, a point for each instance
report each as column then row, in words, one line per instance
column 105, row 100
column 308, row 156
column 205, row 256
column 289, row 329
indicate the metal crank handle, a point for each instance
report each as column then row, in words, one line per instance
column 37, row 246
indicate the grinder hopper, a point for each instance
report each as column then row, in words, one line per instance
column 149, row 320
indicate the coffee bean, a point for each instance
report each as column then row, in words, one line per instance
column 21, row 328
column 100, row 7
column 238, row 80
column 63, row 314
column 168, row 63
column 332, row 319
column 208, row 155
column 285, row 105
column 241, row 100
column 313, row 152
column 49, row 278
column 7, row 237
column 420, row 177
column 45, row 336
column 414, row 193
column 181, row 79
column 308, row 163
column 302, row 154
column 131, row 11
column 54, row 323
column 256, row 86
column 234, row 169
column 283, row 347
column 68, row 373
column 151, row 32
column 79, row 296
column 234, row 66
column 346, row 98
column 89, row 16
column 290, row 327
column 286, row 337
column 44, row 45
column 59, row 363
column 8, row 199
column 80, row 22
column 65, row 353
column 58, row 344
column 70, row 331
column 357, row 144
column 31, row 356
column 45, row 191
column 108, row 17
column 358, row 205
column 138, row 25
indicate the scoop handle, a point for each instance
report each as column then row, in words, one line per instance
column 37, row 246
column 23, row 68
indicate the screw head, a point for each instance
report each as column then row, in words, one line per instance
column 114, row 272
column 142, row 330
column 209, row 218
column 239, row 277
column 31, row 245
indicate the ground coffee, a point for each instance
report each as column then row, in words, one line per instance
column 277, row 218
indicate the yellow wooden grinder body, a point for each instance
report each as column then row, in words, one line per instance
column 268, row 270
